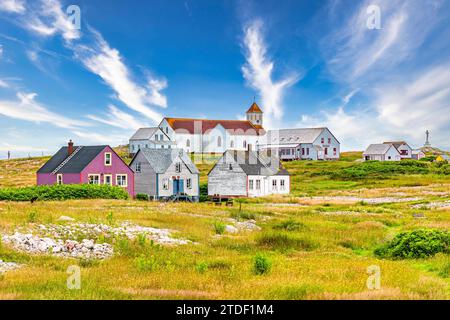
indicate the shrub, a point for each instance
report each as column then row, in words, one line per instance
column 63, row 192
column 201, row 267
column 32, row 216
column 421, row 243
column 203, row 192
column 261, row 264
column 219, row 227
column 142, row 197
column 146, row 264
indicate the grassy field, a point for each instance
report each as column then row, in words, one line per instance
column 319, row 241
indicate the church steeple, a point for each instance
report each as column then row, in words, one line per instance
column 255, row 115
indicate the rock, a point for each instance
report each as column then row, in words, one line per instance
column 231, row 229
column 65, row 218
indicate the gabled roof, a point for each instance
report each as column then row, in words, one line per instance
column 144, row 133
column 380, row 148
column 255, row 163
column 254, row 108
column 161, row 159
column 396, row 144
column 293, row 136
column 77, row 162
column 243, row 127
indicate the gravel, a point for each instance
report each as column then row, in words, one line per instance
column 432, row 205
column 8, row 266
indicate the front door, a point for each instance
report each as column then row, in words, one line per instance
column 178, row 186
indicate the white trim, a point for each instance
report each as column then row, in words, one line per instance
column 110, row 159
column 94, row 175
column 59, row 175
column 108, row 175
column 126, row 180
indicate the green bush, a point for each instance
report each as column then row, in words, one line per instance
column 421, row 243
column 203, row 192
column 142, row 196
column 63, row 192
column 145, row 263
column 201, row 267
column 261, row 264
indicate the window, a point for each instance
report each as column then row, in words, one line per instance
column 334, row 151
column 167, row 129
column 326, row 151
column 132, row 147
column 258, row 184
column 108, row 159
column 161, row 137
column 244, row 144
column 329, row 140
column 307, row 151
column 282, row 186
column 59, row 178
column 303, row 151
column 389, row 157
column 274, row 184
column 288, row 152
column 137, row 167
column 189, row 183
column 322, row 140
column 250, row 184
column 121, row 180
column 188, row 143
column 146, row 145
column 156, row 137
column 231, row 144
column 165, row 184
column 94, row 179
column 230, row 166
column 178, row 167
column 219, row 141
column 107, row 179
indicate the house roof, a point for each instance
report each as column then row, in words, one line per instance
column 417, row 151
column 254, row 108
column 82, row 156
column 144, row 133
column 292, row 136
column 256, row 163
column 380, row 148
column 396, row 144
column 233, row 126
column 161, row 159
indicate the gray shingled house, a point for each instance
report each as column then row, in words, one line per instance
column 165, row 174
column 248, row 174
column 149, row 138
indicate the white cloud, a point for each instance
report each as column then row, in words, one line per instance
column 14, row 6
column 1, row 50
column 26, row 108
column 90, row 137
column 118, row 118
column 107, row 63
column 4, row 84
column 258, row 73
column 50, row 19
column 401, row 111
column 4, row 146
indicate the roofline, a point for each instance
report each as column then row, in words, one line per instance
column 193, row 119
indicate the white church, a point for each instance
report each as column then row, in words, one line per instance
column 218, row 136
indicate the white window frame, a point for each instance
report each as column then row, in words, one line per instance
column 136, row 166
column 126, row 180
column 165, row 184
column 104, row 179
column 258, row 184
column 94, row 176
column 110, row 159
column 189, row 183
column 250, row 184
column 274, row 184
column 178, row 167
column 282, row 185
column 59, row 179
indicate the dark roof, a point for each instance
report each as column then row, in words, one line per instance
column 76, row 164
column 396, row 144
column 256, row 163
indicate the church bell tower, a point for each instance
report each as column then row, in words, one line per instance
column 255, row 115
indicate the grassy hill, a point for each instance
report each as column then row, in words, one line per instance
column 318, row 242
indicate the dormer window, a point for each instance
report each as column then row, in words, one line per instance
column 108, row 159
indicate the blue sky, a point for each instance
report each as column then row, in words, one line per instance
column 308, row 63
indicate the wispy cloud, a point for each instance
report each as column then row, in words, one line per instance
column 15, row 6
column 118, row 118
column 4, row 146
column 258, row 72
column 28, row 109
column 108, row 64
column 4, row 84
column 90, row 137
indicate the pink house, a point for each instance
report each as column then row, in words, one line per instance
column 86, row 164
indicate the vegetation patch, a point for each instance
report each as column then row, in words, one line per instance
column 290, row 225
column 284, row 241
column 63, row 192
column 261, row 264
column 420, row 243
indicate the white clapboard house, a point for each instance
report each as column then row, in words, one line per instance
column 165, row 174
column 248, row 174
column 381, row 152
column 302, row 143
column 153, row 138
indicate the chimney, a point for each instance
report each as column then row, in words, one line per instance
column 70, row 148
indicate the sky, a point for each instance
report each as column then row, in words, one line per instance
column 95, row 71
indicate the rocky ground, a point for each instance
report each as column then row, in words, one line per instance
column 81, row 240
column 7, row 266
column 432, row 205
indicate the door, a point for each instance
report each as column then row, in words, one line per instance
column 108, row 179
column 178, row 186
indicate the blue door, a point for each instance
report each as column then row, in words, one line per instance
column 178, row 186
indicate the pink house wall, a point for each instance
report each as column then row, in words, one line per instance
column 97, row 166
column 48, row 178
